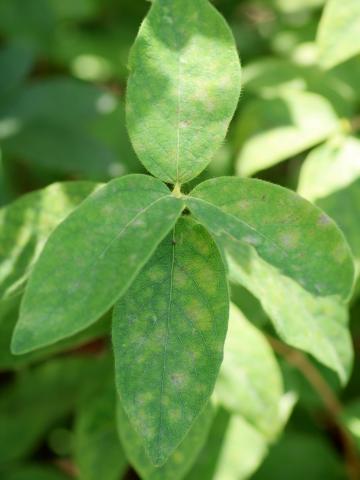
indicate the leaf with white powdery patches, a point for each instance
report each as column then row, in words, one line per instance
column 168, row 356
column 92, row 258
column 183, row 88
column 287, row 231
column 179, row 462
column 290, row 255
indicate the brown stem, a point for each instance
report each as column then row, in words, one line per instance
column 328, row 397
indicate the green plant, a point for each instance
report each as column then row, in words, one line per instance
column 159, row 256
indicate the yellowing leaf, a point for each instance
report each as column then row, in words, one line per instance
column 168, row 334
column 183, row 88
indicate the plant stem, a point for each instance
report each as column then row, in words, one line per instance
column 327, row 395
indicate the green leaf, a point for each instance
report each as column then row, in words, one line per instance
column 344, row 207
column 26, row 224
column 41, row 396
column 233, row 451
column 80, row 10
column 299, row 456
column 63, row 149
column 9, row 314
column 330, row 167
column 297, row 6
column 330, row 176
column 317, row 325
column 180, row 460
column 168, row 357
column 287, row 231
column 98, row 452
column 338, row 32
column 32, row 472
column 31, row 23
column 76, row 102
column 250, row 383
column 15, row 63
column 351, row 419
column 284, row 251
column 183, row 88
column 92, row 258
column 270, row 76
column 269, row 131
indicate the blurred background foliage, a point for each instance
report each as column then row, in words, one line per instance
column 63, row 71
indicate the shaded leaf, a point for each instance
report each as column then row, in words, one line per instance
column 183, row 88
column 97, row 449
column 168, row 355
column 351, row 420
column 33, row 471
column 76, row 102
column 64, row 150
column 41, row 396
column 92, row 258
column 307, row 456
column 15, row 63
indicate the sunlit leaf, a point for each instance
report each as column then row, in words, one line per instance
column 233, row 451
column 92, row 258
column 183, row 87
column 330, row 176
column 303, row 299
column 269, row 131
column 270, row 76
column 287, row 231
column 338, row 32
column 250, row 383
column 26, row 224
